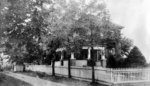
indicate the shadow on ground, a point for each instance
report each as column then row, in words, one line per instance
column 10, row 81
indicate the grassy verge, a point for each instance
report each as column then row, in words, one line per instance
column 60, row 79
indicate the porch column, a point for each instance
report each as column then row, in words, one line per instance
column 73, row 60
column 72, row 55
column 103, row 58
column 61, row 59
column 62, row 56
column 89, row 53
column 103, row 54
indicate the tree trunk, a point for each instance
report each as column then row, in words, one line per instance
column 93, row 75
column 117, row 50
column 53, row 67
column 93, row 64
column 24, row 67
column 69, row 68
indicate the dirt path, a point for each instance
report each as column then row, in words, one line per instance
column 10, row 81
column 51, row 81
column 34, row 81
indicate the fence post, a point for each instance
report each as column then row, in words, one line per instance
column 111, row 76
column 69, row 68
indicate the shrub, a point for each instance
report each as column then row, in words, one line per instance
column 135, row 58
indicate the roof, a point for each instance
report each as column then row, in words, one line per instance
column 84, row 47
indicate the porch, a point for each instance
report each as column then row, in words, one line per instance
column 98, row 54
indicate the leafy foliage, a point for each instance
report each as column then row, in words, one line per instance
column 135, row 58
column 33, row 29
column 24, row 26
column 126, row 45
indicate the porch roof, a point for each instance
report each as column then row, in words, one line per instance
column 84, row 47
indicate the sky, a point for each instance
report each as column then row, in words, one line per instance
column 133, row 15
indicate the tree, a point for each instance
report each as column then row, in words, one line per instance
column 85, row 26
column 135, row 58
column 126, row 45
column 54, row 43
column 88, row 25
column 63, row 18
column 25, row 23
column 91, row 30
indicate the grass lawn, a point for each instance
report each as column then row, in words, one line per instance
column 9, row 81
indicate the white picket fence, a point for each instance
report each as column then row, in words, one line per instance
column 108, row 75
column 130, row 75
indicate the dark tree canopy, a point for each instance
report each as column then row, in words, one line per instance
column 135, row 58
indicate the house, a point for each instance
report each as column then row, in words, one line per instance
column 100, row 52
column 100, row 55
